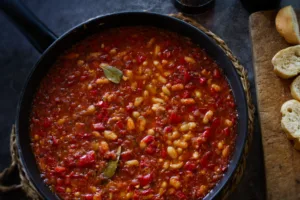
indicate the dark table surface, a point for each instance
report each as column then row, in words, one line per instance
column 228, row 19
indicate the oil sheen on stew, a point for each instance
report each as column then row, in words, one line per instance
column 165, row 131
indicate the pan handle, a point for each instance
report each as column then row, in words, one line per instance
column 40, row 36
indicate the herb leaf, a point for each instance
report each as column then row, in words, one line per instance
column 112, row 165
column 112, row 73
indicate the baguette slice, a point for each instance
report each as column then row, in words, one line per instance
column 295, row 88
column 287, row 62
column 287, row 25
column 290, row 121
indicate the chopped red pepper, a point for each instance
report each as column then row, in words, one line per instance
column 216, row 73
column 59, row 169
column 202, row 80
column 146, row 179
column 189, row 165
column 180, row 195
column 47, row 122
column 205, row 159
column 99, row 127
column 174, row 118
column 87, row 160
column 187, row 77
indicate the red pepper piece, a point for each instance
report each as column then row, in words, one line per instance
column 126, row 155
column 166, row 54
column 60, row 189
column 47, row 122
column 216, row 73
column 93, row 93
column 59, row 169
column 88, row 197
column 202, row 80
column 174, row 118
column 83, row 78
column 59, row 181
column 99, row 127
column 145, row 180
column 168, row 129
column 70, row 162
column 148, row 139
column 163, row 153
column 102, row 104
column 189, row 165
column 87, row 159
column 146, row 192
column 207, row 134
column 187, row 77
column 120, row 124
column 54, row 140
column 150, row 149
column 226, row 131
column 130, row 108
column 181, row 68
column 140, row 59
column 182, row 60
column 94, row 64
column 186, row 94
column 107, row 49
column 67, row 180
column 205, row 158
column 215, row 123
column 180, row 195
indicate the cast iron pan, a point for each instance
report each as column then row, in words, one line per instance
column 51, row 47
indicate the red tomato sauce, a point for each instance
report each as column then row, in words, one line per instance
column 172, row 115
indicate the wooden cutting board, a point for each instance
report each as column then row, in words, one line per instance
column 282, row 162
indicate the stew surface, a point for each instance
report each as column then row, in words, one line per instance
column 166, row 130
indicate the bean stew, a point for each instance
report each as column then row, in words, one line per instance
column 133, row 113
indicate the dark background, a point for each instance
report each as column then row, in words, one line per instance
column 228, row 19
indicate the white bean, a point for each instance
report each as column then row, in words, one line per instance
column 189, row 59
column 138, row 101
column 130, row 124
column 181, row 144
column 172, row 152
column 157, row 100
column 174, row 181
column 132, row 163
column 109, row 135
column 208, row 116
column 177, row 87
column 176, row 165
column 165, row 90
column 141, row 123
column 216, row 87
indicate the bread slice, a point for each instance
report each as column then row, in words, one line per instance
column 295, row 88
column 287, row 25
column 287, row 62
column 290, row 121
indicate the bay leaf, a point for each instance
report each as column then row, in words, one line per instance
column 112, row 73
column 112, row 165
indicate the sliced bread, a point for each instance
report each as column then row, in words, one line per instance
column 290, row 121
column 287, row 25
column 287, row 62
column 295, row 88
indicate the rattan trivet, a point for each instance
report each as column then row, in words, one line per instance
column 30, row 190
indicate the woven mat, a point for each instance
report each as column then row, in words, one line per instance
column 30, row 190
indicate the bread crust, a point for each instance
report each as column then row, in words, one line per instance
column 287, row 25
column 295, row 88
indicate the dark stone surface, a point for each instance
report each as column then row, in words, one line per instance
column 228, row 19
